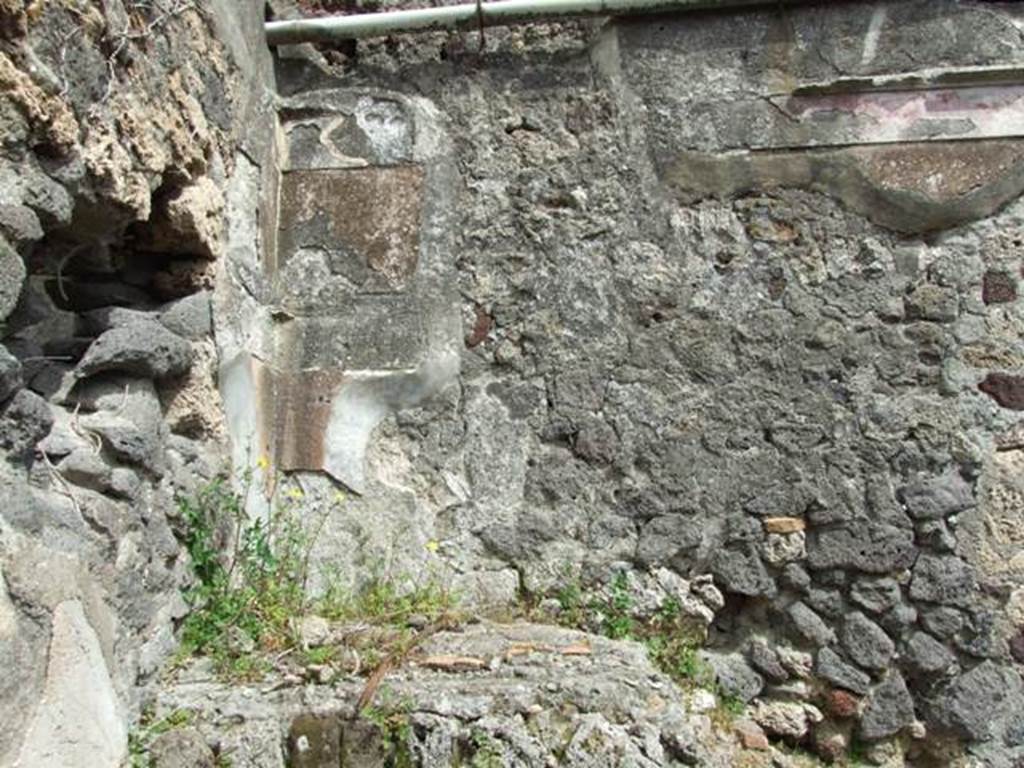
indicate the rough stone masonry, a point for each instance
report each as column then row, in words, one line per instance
column 729, row 294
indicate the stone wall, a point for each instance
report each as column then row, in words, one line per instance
column 738, row 297
column 125, row 126
column 730, row 297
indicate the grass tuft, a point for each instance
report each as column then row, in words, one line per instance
column 673, row 640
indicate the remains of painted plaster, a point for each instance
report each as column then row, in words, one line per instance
column 359, row 297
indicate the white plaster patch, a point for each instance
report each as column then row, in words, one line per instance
column 249, row 448
column 78, row 721
column 386, row 126
column 874, row 32
column 364, row 401
column 8, row 615
column 354, row 415
column 431, row 141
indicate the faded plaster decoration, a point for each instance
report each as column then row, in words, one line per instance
column 376, row 329
column 387, row 126
column 936, row 114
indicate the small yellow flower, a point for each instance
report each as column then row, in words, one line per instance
column 295, row 493
column 433, row 545
column 263, row 463
column 340, row 497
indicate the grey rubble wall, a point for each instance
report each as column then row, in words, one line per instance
column 731, row 306
column 124, row 126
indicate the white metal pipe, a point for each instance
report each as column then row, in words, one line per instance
column 469, row 15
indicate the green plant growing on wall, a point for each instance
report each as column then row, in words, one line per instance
column 141, row 738
column 396, row 606
column 245, row 601
column 672, row 639
column 618, row 621
column 572, row 608
column 384, row 599
column 391, row 717
column 729, row 707
column 250, row 588
column 611, row 614
column 857, row 755
column 486, row 752
column 320, row 655
column 800, row 756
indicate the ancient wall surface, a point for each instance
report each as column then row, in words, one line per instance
column 725, row 298
column 126, row 130
column 738, row 297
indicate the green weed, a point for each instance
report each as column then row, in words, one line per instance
column 734, row 705
column 321, row 655
column 141, row 738
column 385, row 600
column 245, row 602
column 801, row 757
column 672, row 639
column 857, row 755
column 572, row 610
column 391, row 717
column 392, row 611
column 675, row 652
column 486, row 752
column 617, row 610
column 729, row 708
